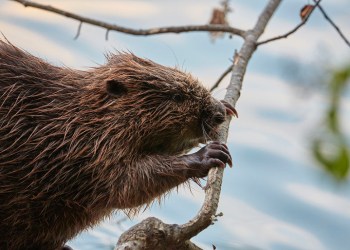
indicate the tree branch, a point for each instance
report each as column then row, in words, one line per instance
column 291, row 31
column 136, row 32
column 332, row 23
column 223, row 75
column 177, row 236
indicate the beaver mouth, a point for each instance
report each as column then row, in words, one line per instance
column 210, row 125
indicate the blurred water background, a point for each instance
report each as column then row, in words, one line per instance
column 276, row 196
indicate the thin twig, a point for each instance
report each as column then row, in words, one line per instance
column 136, row 32
column 106, row 36
column 332, row 23
column 228, row 70
column 293, row 30
column 78, row 31
column 223, row 75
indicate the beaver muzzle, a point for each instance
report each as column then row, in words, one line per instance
column 217, row 116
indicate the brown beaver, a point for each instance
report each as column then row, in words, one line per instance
column 75, row 145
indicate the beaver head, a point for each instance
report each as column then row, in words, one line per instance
column 171, row 110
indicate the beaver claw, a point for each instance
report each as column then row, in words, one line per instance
column 215, row 154
column 230, row 110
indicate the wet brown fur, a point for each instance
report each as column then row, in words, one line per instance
column 75, row 145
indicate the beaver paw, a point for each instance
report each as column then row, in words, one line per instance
column 215, row 154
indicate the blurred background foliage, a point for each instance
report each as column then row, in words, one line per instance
column 330, row 146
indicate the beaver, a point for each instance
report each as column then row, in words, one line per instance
column 76, row 145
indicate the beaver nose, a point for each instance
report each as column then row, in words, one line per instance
column 219, row 115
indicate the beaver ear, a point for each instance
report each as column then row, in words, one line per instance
column 116, row 88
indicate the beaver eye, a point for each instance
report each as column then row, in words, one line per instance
column 178, row 98
column 115, row 88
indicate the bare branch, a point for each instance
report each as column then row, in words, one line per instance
column 136, row 32
column 212, row 194
column 293, row 30
column 151, row 234
column 332, row 23
column 223, row 75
